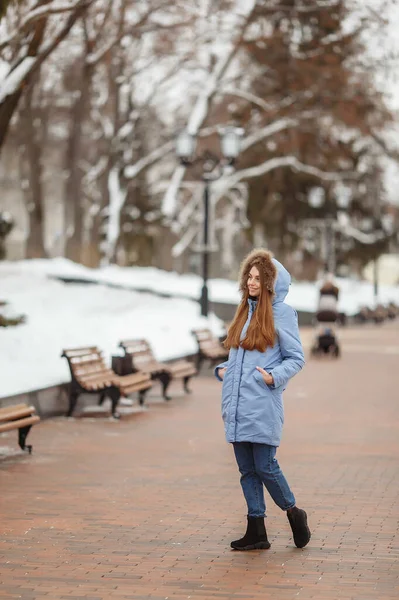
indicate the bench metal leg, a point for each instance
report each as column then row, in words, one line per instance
column 142, row 394
column 165, row 379
column 102, row 398
column 115, row 395
column 73, row 398
column 185, row 384
column 22, row 435
column 199, row 361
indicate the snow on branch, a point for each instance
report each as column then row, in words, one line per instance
column 14, row 78
column 19, row 73
column 200, row 110
column 187, row 212
column 344, row 226
column 201, row 107
column 96, row 57
column 266, row 106
column 196, row 119
column 302, row 8
column 132, row 171
column 185, row 240
column 276, row 163
column 267, row 131
column 39, row 13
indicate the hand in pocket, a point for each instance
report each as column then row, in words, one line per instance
column 267, row 377
column 221, row 372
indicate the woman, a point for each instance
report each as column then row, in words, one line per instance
column 265, row 352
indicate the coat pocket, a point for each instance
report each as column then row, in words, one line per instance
column 259, row 379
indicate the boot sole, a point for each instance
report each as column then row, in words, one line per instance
column 300, row 544
column 257, row 546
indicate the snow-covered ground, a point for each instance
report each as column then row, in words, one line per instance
column 61, row 315
column 302, row 296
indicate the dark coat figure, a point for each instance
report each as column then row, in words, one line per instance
column 327, row 310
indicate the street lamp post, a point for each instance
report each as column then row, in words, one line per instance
column 317, row 199
column 212, row 169
column 205, row 253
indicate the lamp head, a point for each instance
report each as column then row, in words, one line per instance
column 230, row 142
column 185, row 147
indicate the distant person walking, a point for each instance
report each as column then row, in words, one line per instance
column 327, row 310
column 265, row 351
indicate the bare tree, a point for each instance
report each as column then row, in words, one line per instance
column 31, row 35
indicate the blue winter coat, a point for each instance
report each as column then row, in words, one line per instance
column 253, row 411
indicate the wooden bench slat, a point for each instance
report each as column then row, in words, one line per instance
column 136, row 345
column 150, row 367
column 103, row 374
column 88, row 364
column 96, row 385
column 134, row 382
column 133, row 378
column 182, row 370
column 137, row 387
column 95, row 377
column 6, row 409
column 17, row 414
column 72, row 352
column 19, row 423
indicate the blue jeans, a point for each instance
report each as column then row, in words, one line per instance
column 258, row 465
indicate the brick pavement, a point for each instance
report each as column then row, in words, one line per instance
column 146, row 508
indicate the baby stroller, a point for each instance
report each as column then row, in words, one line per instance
column 326, row 344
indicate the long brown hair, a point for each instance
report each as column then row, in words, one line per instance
column 261, row 332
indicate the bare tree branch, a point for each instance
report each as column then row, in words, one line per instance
column 201, row 107
column 36, row 14
column 229, row 181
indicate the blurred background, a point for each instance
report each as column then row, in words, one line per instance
column 95, row 93
column 150, row 145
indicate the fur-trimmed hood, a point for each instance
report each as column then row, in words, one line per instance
column 262, row 259
column 276, row 277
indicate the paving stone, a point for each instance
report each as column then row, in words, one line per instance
column 146, row 507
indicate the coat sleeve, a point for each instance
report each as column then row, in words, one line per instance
column 291, row 348
column 221, row 366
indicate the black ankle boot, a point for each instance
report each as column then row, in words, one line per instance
column 255, row 537
column 299, row 524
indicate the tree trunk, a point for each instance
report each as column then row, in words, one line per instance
column 7, row 109
column 73, row 199
column 94, row 250
column 35, row 247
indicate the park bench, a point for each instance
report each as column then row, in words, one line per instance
column 90, row 375
column 21, row 417
column 209, row 348
column 143, row 360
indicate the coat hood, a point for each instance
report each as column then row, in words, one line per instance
column 263, row 260
column 276, row 277
column 282, row 283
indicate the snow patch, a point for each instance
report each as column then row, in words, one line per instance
column 14, row 78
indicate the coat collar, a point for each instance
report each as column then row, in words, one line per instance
column 252, row 303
